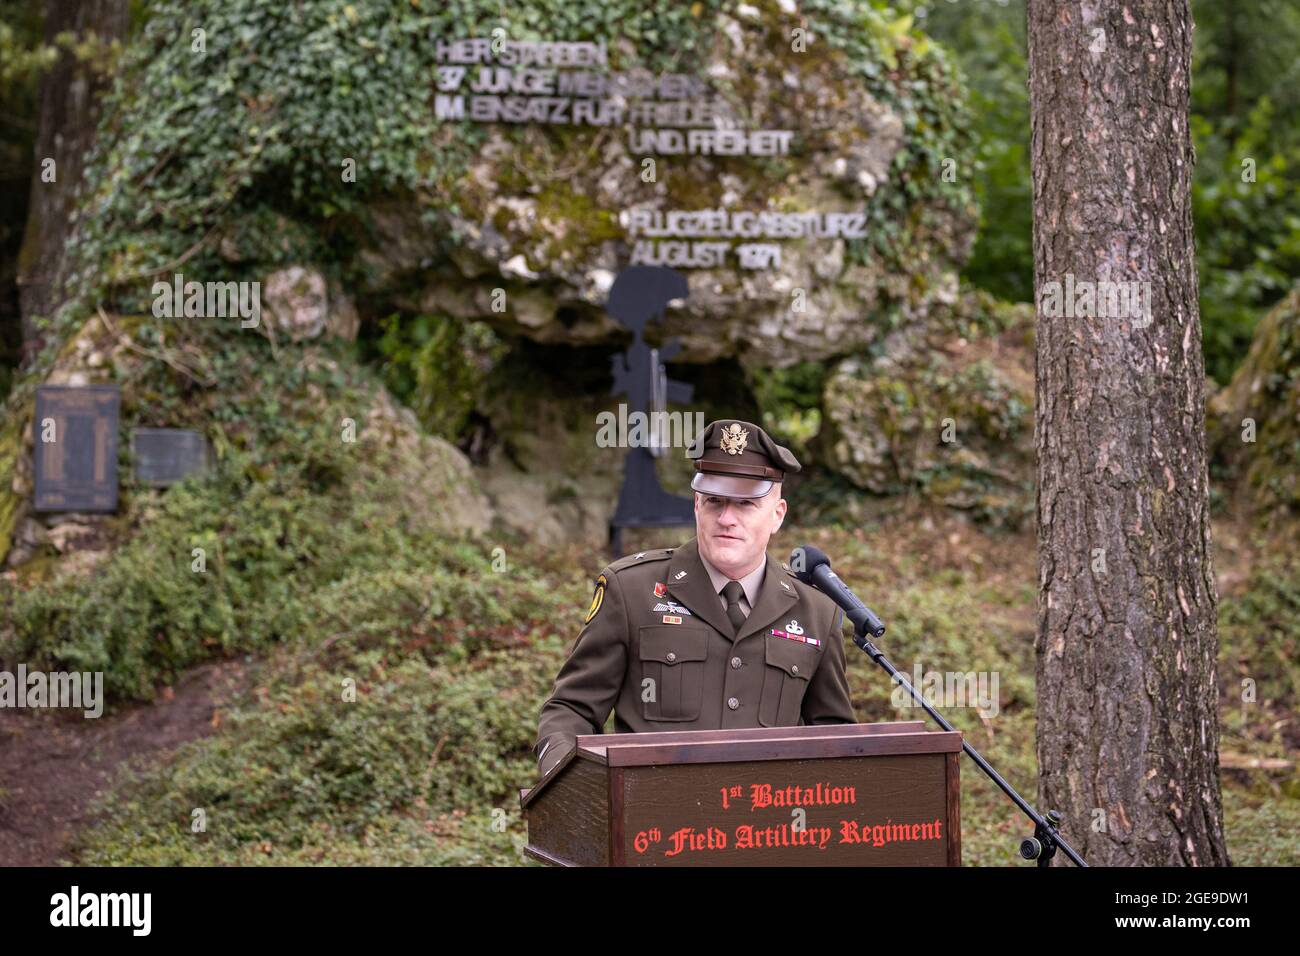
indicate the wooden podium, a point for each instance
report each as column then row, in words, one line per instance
column 828, row 795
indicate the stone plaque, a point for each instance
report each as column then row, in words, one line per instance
column 75, row 450
column 163, row 456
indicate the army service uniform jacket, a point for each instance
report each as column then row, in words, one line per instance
column 658, row 649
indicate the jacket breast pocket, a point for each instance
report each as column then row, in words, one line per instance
column 789, row 666
column 672, row 671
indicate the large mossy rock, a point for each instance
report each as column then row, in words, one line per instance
column 1254, row 423
column 537, row 208
column 438, row 490
column 436, row 214
column 943, row 409
column 230, row 163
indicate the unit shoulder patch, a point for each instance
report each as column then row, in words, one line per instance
column 597, row 599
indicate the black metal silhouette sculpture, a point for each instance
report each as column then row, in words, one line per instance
column 639, row 295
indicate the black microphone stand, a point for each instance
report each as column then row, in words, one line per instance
column 1042, row 846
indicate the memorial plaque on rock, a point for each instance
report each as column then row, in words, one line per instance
column 75, row 452
column 163, row 456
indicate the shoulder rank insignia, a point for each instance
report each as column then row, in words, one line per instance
column 597, row 598
column 641, row 557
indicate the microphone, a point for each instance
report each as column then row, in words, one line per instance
column 813, row 567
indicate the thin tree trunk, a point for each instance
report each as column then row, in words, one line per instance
column 1128, row 733
column 1232, row 68
column 67, row 130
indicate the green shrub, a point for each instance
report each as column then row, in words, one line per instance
column 422, row 767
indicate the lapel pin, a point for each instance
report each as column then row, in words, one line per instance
column 679, row 575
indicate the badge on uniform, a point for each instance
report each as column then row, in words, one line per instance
column 734, row 438
column 672, row 619
column 597, row 599
column 671, row 607
column 793, row 632
column 660, row 589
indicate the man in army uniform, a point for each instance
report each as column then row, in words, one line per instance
column 709, row 635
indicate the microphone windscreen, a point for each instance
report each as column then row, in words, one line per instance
column 803, row 560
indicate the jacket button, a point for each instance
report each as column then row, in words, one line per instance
column 733, row 703
column 736, row 662
column 671, row 657
column 794, row 668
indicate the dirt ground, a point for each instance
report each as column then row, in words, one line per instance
column 53, row 765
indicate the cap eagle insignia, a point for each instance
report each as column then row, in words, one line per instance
column 734, row 438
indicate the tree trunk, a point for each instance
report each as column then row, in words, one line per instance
column 67, row 130
column 1128, row 732
column 1232, row 66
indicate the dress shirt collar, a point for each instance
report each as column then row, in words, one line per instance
column 751, row 582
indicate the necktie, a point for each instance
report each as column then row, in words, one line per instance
column 733, row 592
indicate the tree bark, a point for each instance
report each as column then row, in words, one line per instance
column 1128, row 732
column 67, row 130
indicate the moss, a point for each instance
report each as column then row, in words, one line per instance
column 17, row 415
column 585, row 224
